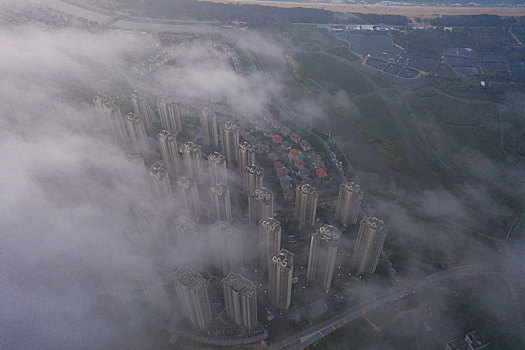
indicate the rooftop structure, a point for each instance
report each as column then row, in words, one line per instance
column 240, row 298
column 192, row 294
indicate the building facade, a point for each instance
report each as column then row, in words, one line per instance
column 324, row 245
column 208, row 121
column 137, row 134
column 142, row 109
column 192, row 294
column 269, row 241
column 169, row 152
column 217, row 168
column 348, row 203
column 240, row 299
column 169, row 114
column 245, row 157
column 369, row 244
column 160, row 182
column 260, row 205
column 192, row 161
column 221, row 208
column 230, row 141
column 112, row 118
column 189, row 193
column 253, row 178
column 227, row 246
column 306, row 204
column 280, row 274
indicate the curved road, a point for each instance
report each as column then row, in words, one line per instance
column 309, row 336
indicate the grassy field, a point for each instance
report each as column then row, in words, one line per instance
column 344, row 52
column 376, row 123
column 329, row 72
column 311, row 34
column 469, row 124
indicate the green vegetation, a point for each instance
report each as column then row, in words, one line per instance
column 329, row 72
column 474, row 125
column 431, row 43
column 311, row 34
column 344, row 52
column 380, row 81
column 376, row 123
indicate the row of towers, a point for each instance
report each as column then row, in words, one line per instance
column 188, row 166
column 240, row 298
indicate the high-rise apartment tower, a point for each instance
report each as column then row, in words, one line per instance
column 169, row 152
column 253, row 178
column 230, row 141
column 169, row 114
column 260, row 205
column 142, row 109
column 190, row 197
column 369, row 244
column 220, row 201
column 269, row 240
column 192, row 293
column 280, row 273
column 306, row 204
column 348, row 203
column 208, row 121
column 324, row 245
column 246, row 156
column 137, row 134
column 240, row 298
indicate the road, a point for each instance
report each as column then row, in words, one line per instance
column 315, row 333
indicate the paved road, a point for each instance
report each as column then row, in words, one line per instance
column 311, row 335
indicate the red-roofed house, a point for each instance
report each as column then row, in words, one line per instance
column 277, row 138
column 321, row 173
column 295, row 153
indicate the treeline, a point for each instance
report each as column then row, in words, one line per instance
column 370, row 18
column 474, row 21
column 254, row 15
